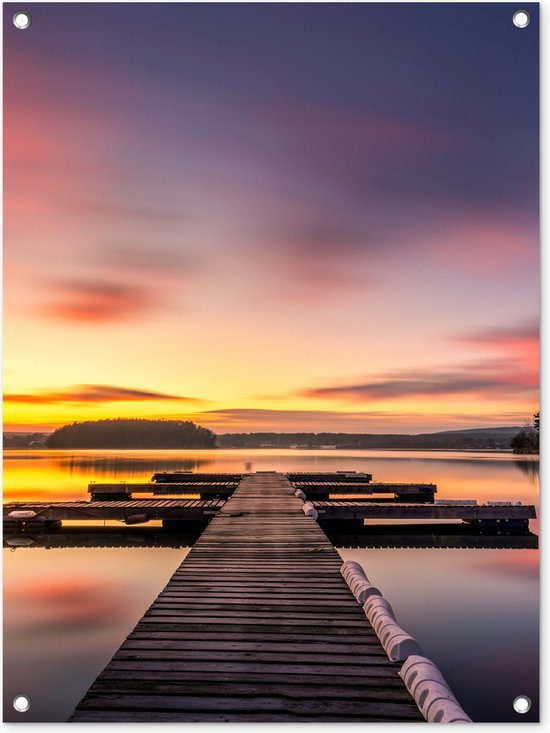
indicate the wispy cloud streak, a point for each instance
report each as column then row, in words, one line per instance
column 511, row 372
column 94, row 393
column 374, row 421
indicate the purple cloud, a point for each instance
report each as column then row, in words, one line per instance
column 480, row 379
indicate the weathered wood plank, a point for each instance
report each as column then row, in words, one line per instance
column 179, row 624
column 372, row 690
column 374, row 678
column 167, row 702
column 325, row 670
column 138, row 641
column 173, row 653
column 138, row 716
column 229, row 635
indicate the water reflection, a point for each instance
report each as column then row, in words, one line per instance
column 65, row 612
column 116, row 466
column 63, row 475
column 99, row 537
column 476, row 619
column 437, row 536
column 530, row 468
column 400, row 536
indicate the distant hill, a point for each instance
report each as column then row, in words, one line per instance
column 475, row 438
column 24, row 440
column 128, row 434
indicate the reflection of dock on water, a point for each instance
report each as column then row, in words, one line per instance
column 437, row 536
column 262, row 621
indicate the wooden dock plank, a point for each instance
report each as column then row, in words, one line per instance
column 361, row 709
column 323, row 691
column 138, row 716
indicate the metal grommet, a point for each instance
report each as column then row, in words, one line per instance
column 521, row 18
column 21, row 703
column 522, row 704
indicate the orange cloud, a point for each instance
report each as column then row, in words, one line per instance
column 93, row 393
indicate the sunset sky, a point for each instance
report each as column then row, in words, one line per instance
column 271, row 217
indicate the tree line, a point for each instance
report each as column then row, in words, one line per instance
column 481, row 438
column 167, row 434
column 528, row 438
column 132, row 433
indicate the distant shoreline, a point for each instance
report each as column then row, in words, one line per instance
column 129, row 435
column 44, row 449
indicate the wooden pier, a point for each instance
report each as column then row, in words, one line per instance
column 360, row 510
column 139, row 511
column 256, row 624
column 129, row 511
column 124, row 491
column 356, row 477
column 397, row 492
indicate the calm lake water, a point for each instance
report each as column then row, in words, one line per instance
column 475, row 612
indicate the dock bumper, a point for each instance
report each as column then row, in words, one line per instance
column 431, row 692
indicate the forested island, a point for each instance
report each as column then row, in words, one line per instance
column 128, row 434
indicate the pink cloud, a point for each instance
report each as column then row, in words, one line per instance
column 520, row 342
column 96, row 302
column 485, row 244
column 512, row 372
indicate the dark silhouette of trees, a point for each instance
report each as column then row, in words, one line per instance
column 132, row 433
column 24, row 440
column 528, row 438
column 475, row 439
